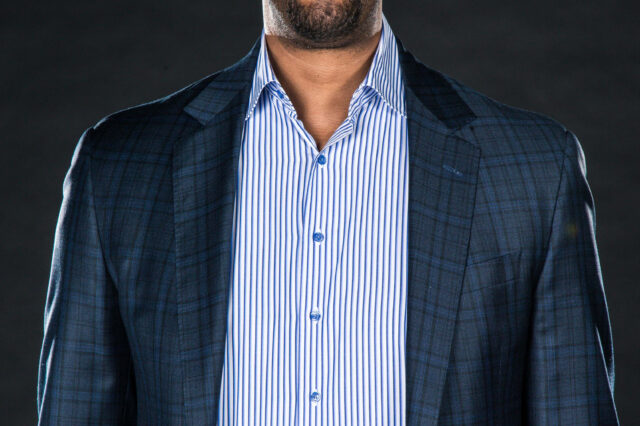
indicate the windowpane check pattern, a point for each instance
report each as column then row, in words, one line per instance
column 317, row 314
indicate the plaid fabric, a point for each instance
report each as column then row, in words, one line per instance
column 507, row 320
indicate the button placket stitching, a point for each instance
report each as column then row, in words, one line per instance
column 320, row 241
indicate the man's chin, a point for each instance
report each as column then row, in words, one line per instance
column 322, row 22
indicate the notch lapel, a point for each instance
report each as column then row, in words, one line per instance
column 204, row 178
column 442, row 185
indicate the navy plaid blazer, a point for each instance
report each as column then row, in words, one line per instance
column 507, row 321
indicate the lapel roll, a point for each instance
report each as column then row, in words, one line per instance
column 442, row 186
column 205, row 167
column 442, row 182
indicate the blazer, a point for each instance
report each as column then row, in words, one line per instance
column 507, row 321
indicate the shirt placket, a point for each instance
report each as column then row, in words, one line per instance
column 314, row 267
column 314, row 276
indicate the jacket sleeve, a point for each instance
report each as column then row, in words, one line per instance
column 85, row 373
column 570, row 372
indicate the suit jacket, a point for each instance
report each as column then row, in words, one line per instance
column 507, row 321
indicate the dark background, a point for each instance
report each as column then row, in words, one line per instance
column 66, row 64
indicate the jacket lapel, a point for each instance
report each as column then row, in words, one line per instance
column 442, row 179
column 204, row 178
column 442, row 185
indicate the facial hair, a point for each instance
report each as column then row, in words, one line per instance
column 323, row 24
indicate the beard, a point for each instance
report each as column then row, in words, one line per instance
column 324, row 23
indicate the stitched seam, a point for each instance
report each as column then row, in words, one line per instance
column 105, row 256
column 553, row 216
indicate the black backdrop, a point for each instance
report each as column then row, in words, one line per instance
column 66, row 64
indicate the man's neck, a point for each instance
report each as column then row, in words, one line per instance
column 321, row 70
column 321, row 82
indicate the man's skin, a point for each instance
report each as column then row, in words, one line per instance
column 321, row 50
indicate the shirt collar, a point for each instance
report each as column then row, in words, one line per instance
column 384, row 75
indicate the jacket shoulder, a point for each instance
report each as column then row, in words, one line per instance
column 507, row 129
column 146, row 128
column 526, row 160
column 152, row 125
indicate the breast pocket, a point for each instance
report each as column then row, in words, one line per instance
column 492, row 272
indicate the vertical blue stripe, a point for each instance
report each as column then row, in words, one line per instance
column 355, row 277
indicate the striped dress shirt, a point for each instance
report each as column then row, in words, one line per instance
column 317, row 314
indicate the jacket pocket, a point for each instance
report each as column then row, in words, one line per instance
column 491, row 272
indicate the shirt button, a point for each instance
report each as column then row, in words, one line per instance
column 317, row 237
column 322, row 159
column 315, row 315
column 280, row 94
column 315, row 396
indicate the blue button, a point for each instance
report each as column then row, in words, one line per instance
column 280, row 94
column 322, row 159
column 315, row 315
column 317, row 237
column 315, row 396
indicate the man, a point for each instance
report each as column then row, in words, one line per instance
column 328, row 232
